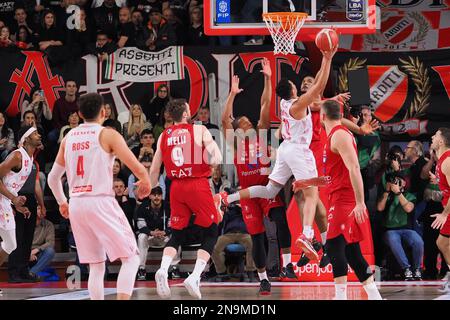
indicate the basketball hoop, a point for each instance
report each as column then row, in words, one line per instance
column 284, row 27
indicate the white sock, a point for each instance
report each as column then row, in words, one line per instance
column 286, row 259
column 341, row 291
column 165, row 262
column 308, row 231
column 233, row 197
column 262, row 276
column 372, row 291
column 200, row 265
column 323, row 236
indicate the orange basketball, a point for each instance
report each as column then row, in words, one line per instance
column 327, row 39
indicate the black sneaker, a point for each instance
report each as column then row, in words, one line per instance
column 417, row 274
column 264, row 287
column 175, row 274
column 142, row 274
column 303, row 261
column 325, row 260
column 408, row 275
column 288, row 272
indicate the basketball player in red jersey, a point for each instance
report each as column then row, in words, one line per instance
column 441, row 144
column 253, row 165
column 185, row 150
column 99, row 225
column 347, row 209
column 316, row 147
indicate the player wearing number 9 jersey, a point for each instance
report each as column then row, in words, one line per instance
column 99, row 225
column 187, row 152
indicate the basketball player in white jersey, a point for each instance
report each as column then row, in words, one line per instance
column 294, row 156
column 14, row 171
column 99, row 225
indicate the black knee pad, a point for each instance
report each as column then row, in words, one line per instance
column 278, row 215
column 336, row 251
column 259, row 250
column 176, row 239
column 210, row 235
column 357, row 262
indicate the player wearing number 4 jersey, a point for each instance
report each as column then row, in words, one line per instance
column 99, row 225
column 187, row 152
column 294, row 156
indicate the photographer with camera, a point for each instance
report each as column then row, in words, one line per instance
column 397, row 208
column 38, row 105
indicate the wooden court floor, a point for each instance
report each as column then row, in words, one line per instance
column 423, row 290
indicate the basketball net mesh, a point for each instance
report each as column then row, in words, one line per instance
column 284, row 27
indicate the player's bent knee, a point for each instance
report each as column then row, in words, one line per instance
column 210, row 235
column 335, row 249
column 259, row 250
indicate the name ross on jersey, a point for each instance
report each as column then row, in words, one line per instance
column 181, row 173
column 80, row 146
column 177, row 140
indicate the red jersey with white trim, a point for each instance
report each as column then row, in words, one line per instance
column 252, row 163
column 443, row 183
column 88, row 165
column 334, row 167
column 182, row 157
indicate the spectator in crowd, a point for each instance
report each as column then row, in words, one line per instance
column 24, row 39
column 126, row 34
column 233, row 231
column 7, row 143
column 62, row 108
column 80, row 37
column 414, row 155
column 368, row 152
column 5, row 38
column 106, row 17
column 218, row 182
column 119, row 3
column 20, row 17
column 147, row 145
column 157, row 104
column 43, row 247
column 393, row 162
column 126, row 203
column 73, row 122
column 161, row 33
column 140, row 31
column 18, row 261
column 117, row 170
column 196, row 33
column 165, row 121
column 397, row 206
column 203, row 115
column 103, row 46
column 152, row 227
column 177, row 25
column 133, row 128
column 34, row 9
column 433, row 199
column 38, row 104
column 51, row 39
column 112, row 115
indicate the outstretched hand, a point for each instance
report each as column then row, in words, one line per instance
column 368, row 128
column 329, row 54
column 143, row 188
column 235, row 85
column 266, row 68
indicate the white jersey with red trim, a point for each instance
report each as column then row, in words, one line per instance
column 89, row 168
column 14, row 181
column 293, row 130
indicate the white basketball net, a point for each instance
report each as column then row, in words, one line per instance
column 284, row 30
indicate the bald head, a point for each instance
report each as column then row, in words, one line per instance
column 124, row 15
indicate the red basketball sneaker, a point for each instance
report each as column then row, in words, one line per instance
column 307, row 246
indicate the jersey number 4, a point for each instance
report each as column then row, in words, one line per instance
column 80, row 167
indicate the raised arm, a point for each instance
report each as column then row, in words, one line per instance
column 156, row 164
column 298, row 107
column 264, row 116
column 227, row 115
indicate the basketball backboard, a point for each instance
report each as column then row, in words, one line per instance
column 244, row 17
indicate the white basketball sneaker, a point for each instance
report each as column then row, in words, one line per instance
column 162, row 284
column 192, row 284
